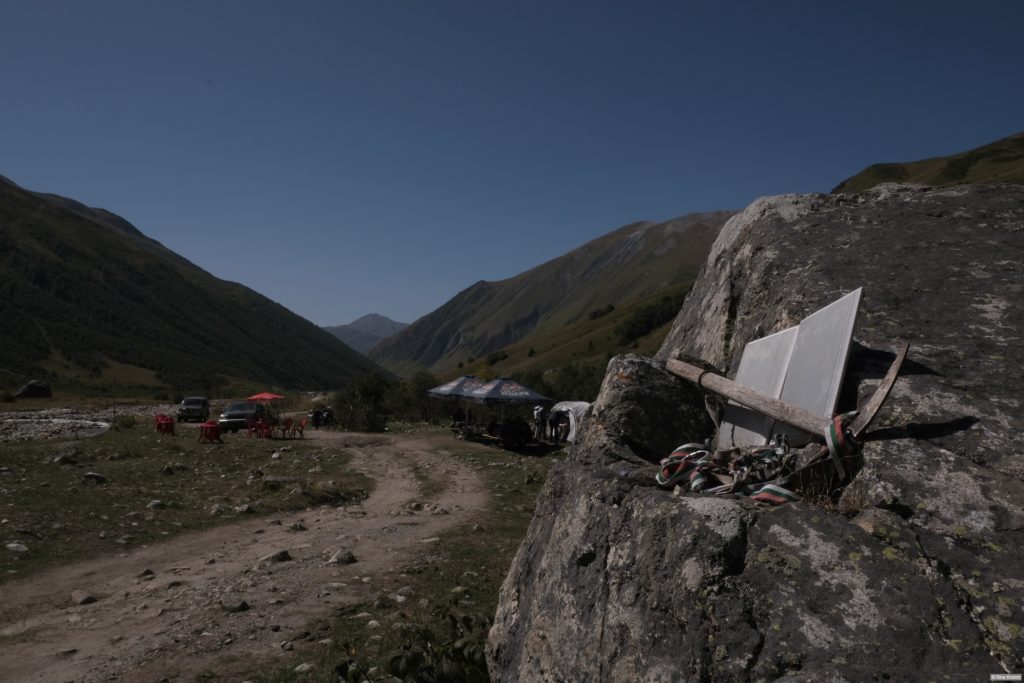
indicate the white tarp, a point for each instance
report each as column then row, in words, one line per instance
column 576, row 410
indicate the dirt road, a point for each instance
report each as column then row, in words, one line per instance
column 174, row 609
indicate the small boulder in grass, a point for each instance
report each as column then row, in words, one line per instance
column 303, row 668
column 236, row 607
column 156, row 505
column 279, row 556
column 343, row 556
column 94, row 478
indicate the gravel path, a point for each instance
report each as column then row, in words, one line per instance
column 174, row 609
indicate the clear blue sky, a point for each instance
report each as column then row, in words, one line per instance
column 379, row 156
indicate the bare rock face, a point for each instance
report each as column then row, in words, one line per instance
column 914, row 572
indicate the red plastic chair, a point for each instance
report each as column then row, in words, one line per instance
column 286, row 427
column 298, row 428
column 264, row 430
column 164, row 424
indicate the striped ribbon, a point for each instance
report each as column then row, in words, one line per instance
column 840, row 443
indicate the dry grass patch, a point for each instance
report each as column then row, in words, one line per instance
column 62, row 501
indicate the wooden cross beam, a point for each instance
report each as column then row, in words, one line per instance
column 784, row 411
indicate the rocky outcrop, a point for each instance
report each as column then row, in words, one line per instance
column 913, row 571
column 34, row 389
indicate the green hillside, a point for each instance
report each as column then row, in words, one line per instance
column 93, row 305
column 636, row 261
column 568, row 363
column 999, row 162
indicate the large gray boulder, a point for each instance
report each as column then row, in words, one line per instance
column 914, row 571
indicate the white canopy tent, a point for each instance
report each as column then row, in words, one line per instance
column 576, row 410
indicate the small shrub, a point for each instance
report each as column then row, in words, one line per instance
column 122, row 422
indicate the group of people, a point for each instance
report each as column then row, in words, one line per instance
column 550, row 425
column 322, row 417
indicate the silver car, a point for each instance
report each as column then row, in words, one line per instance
column 194, row 408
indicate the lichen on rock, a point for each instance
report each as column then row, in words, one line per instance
column 915, row 570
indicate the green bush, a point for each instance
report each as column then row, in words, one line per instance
column 122, row 422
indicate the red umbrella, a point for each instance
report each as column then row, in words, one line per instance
column 264, row 396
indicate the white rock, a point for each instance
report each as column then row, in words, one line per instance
column 17, row 547
column 305, row 667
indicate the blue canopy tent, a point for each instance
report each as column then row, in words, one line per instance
column 458, row 389
column 505, row 390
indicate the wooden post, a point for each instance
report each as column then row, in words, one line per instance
column 801, row 418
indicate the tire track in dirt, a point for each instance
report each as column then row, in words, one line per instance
column 179, row 622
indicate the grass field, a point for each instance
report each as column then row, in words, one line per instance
column 50, row 504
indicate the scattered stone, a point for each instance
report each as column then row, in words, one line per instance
column 80, row 597
column 219, row 509
column 305, row 667
column 17, row 547
column 147, row 575
column 67, row 652
column 373, row 623
column 94, row 478
column 342, row 556
column 64, row 459
column 235, row 607
column 432, row 539
column 156, row 505
column 279, row 556
column 405, row 591
column 287, row 645
column 298, row 526
column 244, row 509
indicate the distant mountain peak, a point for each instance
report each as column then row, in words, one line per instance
column 363, row 333
column 625, row 265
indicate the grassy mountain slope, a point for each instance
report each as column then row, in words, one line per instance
column 999, row 162
column 590, row 340
column 363, row 334
column 626, row 265
column 89, row 301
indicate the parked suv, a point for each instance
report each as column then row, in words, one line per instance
column 240, row 415
column 194, row 408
